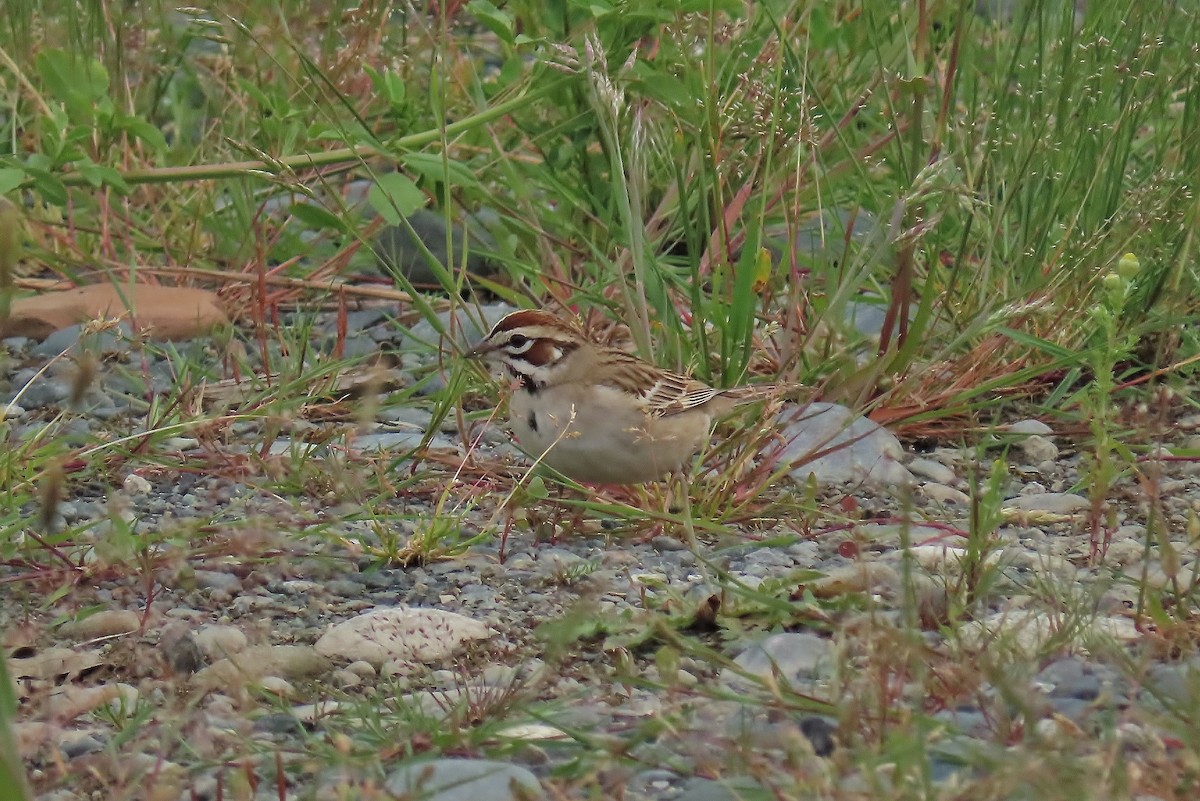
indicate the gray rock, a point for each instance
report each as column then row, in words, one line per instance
column 934, row 471
column 737, row 788
column 11, row 411
column 75, row 744
column 398, row 441
column 183, row 654
column 45, row 391
column 1053, row 502
column 1029, row 427
column 216, row 642
column 464, row 780
column 467, row 328
column 945, row 495
column 1039, row 449
column 106, row 623
column 73, row 338
column 795, row 657
column 1175, row 683
column 397, row 250
column 218, row 580
column 821, row 733
column 828, row 237
column 858, row 449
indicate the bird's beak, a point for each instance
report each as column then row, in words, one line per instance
column 481, row 350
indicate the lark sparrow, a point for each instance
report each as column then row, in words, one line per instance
column 597, row 414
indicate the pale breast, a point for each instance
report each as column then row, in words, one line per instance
column 593, row 435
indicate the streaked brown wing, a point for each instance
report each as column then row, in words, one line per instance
column 673, row 394
column 664, row 393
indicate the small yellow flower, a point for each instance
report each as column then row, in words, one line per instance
column 1128, row 266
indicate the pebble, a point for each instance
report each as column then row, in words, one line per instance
column 1054, row 502
column 859, row 449
column 793, row 657
column 732, row 789
column 362, row 669
column 1029, row 427
column 1040, row 450
column 179, row 645
column 135, row 485
column 934, row 471
column 218, row 580
column 277, row 686
column 69, row 702
column 250, row 665
column 464, row 780
column 216, row 642
column 406, row 634
column 345, row 679
column 106, row 623
column 943, row 494
column 75, row 744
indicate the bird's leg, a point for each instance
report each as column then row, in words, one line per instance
column 682, row 477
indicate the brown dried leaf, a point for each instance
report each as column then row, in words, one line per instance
column 165, row 312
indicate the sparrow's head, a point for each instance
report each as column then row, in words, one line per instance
column 530, row 343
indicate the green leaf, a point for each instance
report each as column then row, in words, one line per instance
column 101, row 175
column 389, row 85
column 12, row 771
column 78, row 84
column 493, row 19
column 395, row 197
column 431, row 165
column 48, row 185
column 10, row 179
column 142, row 129
column 731, row 7
column 667, row 89
column 1044, row 345
column 317, row 217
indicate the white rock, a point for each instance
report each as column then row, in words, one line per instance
column 250, row 665
column 948, row 559
column 858, row 449
column 934, row 471
column 10, row 411
column 126, row 701
column 218, row 641
column 364, row 670
column 943, row 494
column 1029, row 427
column 69, row 702
column 895, row 533
column 1039, row 449
column 277, row 686
column 463, row 780
column 1053, row 502
column 136, row 485
column 793, row 657
column 406, row 634
column 345, row 679
column 1028, row 631
column 532, row 731
column 310, row 713
column 106, row 623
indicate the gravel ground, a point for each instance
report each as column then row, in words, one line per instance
column 220, row 632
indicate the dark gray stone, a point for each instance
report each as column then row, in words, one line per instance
column 397, row 250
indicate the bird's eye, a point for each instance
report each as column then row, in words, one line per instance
column 518, row 341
